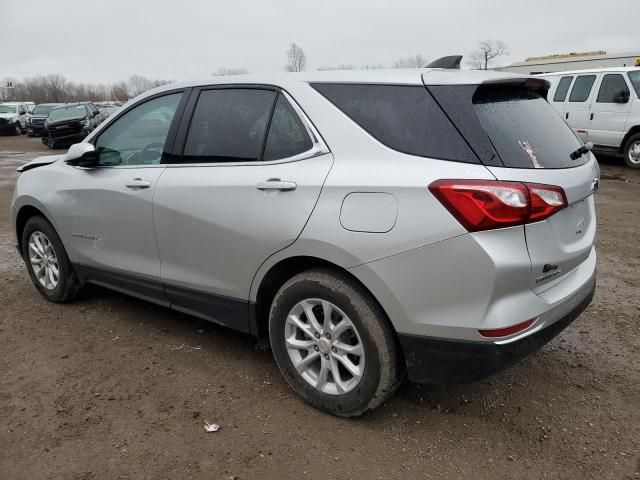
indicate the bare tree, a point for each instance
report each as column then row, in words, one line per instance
column 229, row 71
column 119, row 91
column 296, row 59
column 417, row 61
column 487, row 51
column 138, row 84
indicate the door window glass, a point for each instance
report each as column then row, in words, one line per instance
column 563, row 89
column 228, row 125
column 635, row 81
column 582, row 88
column 287, row 134
column 613, row 85
column 138, row 136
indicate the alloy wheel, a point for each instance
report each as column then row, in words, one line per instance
column 43, row 260
column 634, row 152
column 324, row 346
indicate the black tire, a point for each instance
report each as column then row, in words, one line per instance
column 627, row 147
column 383, row 365
column 51, row 143
column 68, row 283
column 17, row 130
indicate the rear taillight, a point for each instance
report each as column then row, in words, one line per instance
column 486, row 204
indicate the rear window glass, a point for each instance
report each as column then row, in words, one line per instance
column 582, row 88
column 563, row 89
column 287, row 135
column 404, row 118
column 524, row 129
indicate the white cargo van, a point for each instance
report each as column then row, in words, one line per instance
column 602, row 106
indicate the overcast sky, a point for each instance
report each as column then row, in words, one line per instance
column 109, row 40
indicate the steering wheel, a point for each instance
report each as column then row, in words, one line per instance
column 151, row 153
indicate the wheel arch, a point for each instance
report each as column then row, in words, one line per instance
column 632, row 131
column 25, row 212
column 287, row 268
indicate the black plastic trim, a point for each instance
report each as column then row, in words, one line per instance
column 445, row 361
column 230, row 312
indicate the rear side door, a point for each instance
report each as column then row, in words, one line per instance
column 577, row 109
column 244, row 182
column 610, row 110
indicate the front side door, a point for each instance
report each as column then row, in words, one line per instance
column 250, row 176
column 108, row 209
column 577, row 107
column 610, row 110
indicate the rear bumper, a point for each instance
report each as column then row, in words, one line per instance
column 444, row 361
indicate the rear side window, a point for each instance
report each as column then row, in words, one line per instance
column 404, row 118
column 612, row 86
column 563, row 89
column 287, row 135
column 582, row 88
column 524, row 129
column 228, row 125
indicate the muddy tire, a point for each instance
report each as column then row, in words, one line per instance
column 47, row 262
column 333, row 343
column 632, row 152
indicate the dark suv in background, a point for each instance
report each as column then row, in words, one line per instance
column 70, row 123
column 35, row 122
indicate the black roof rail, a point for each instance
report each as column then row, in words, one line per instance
column 452, row 62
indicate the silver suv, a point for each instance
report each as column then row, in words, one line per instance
column 433, row 223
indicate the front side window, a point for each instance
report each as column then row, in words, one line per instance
column 635, row 81
column 287, row 134
column 612, row 87
column 563, row 89
column 137, row 137
column 582, row 88
column 229, row 125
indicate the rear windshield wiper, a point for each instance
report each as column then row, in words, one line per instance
column 586, row 148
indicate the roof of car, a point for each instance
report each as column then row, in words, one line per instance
column 411, row 76
column 592, row 70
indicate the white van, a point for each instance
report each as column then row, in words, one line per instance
column 602, row 106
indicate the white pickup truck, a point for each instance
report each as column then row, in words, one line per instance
column 602, row 106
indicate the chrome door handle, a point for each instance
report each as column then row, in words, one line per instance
column 276, row 184
column 138, row 183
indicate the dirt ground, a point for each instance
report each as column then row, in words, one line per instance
column 110, row 387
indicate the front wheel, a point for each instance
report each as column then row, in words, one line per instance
column 47, row 263
column 17, row 130
column 333, row 343
column 632, row 151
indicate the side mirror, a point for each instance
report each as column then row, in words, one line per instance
column 82, row 155
column 621, row 97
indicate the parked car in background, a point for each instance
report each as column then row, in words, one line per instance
column 370, row 223
column 35, row 121
column 106, row 110
column 30, row 106
column 603, row 107
column 13, row 117
column 70, row 123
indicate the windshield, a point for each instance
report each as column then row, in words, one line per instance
column 524, row 129
column 8, row 109
column 42, row 109
column 635, row 81
column 66, row 113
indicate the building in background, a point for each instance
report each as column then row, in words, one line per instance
column 573, row 61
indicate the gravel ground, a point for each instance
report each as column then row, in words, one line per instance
column 111, row 387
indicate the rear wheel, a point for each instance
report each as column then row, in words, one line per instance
column 47, row 263
column 333, row 344
column 632, row 151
